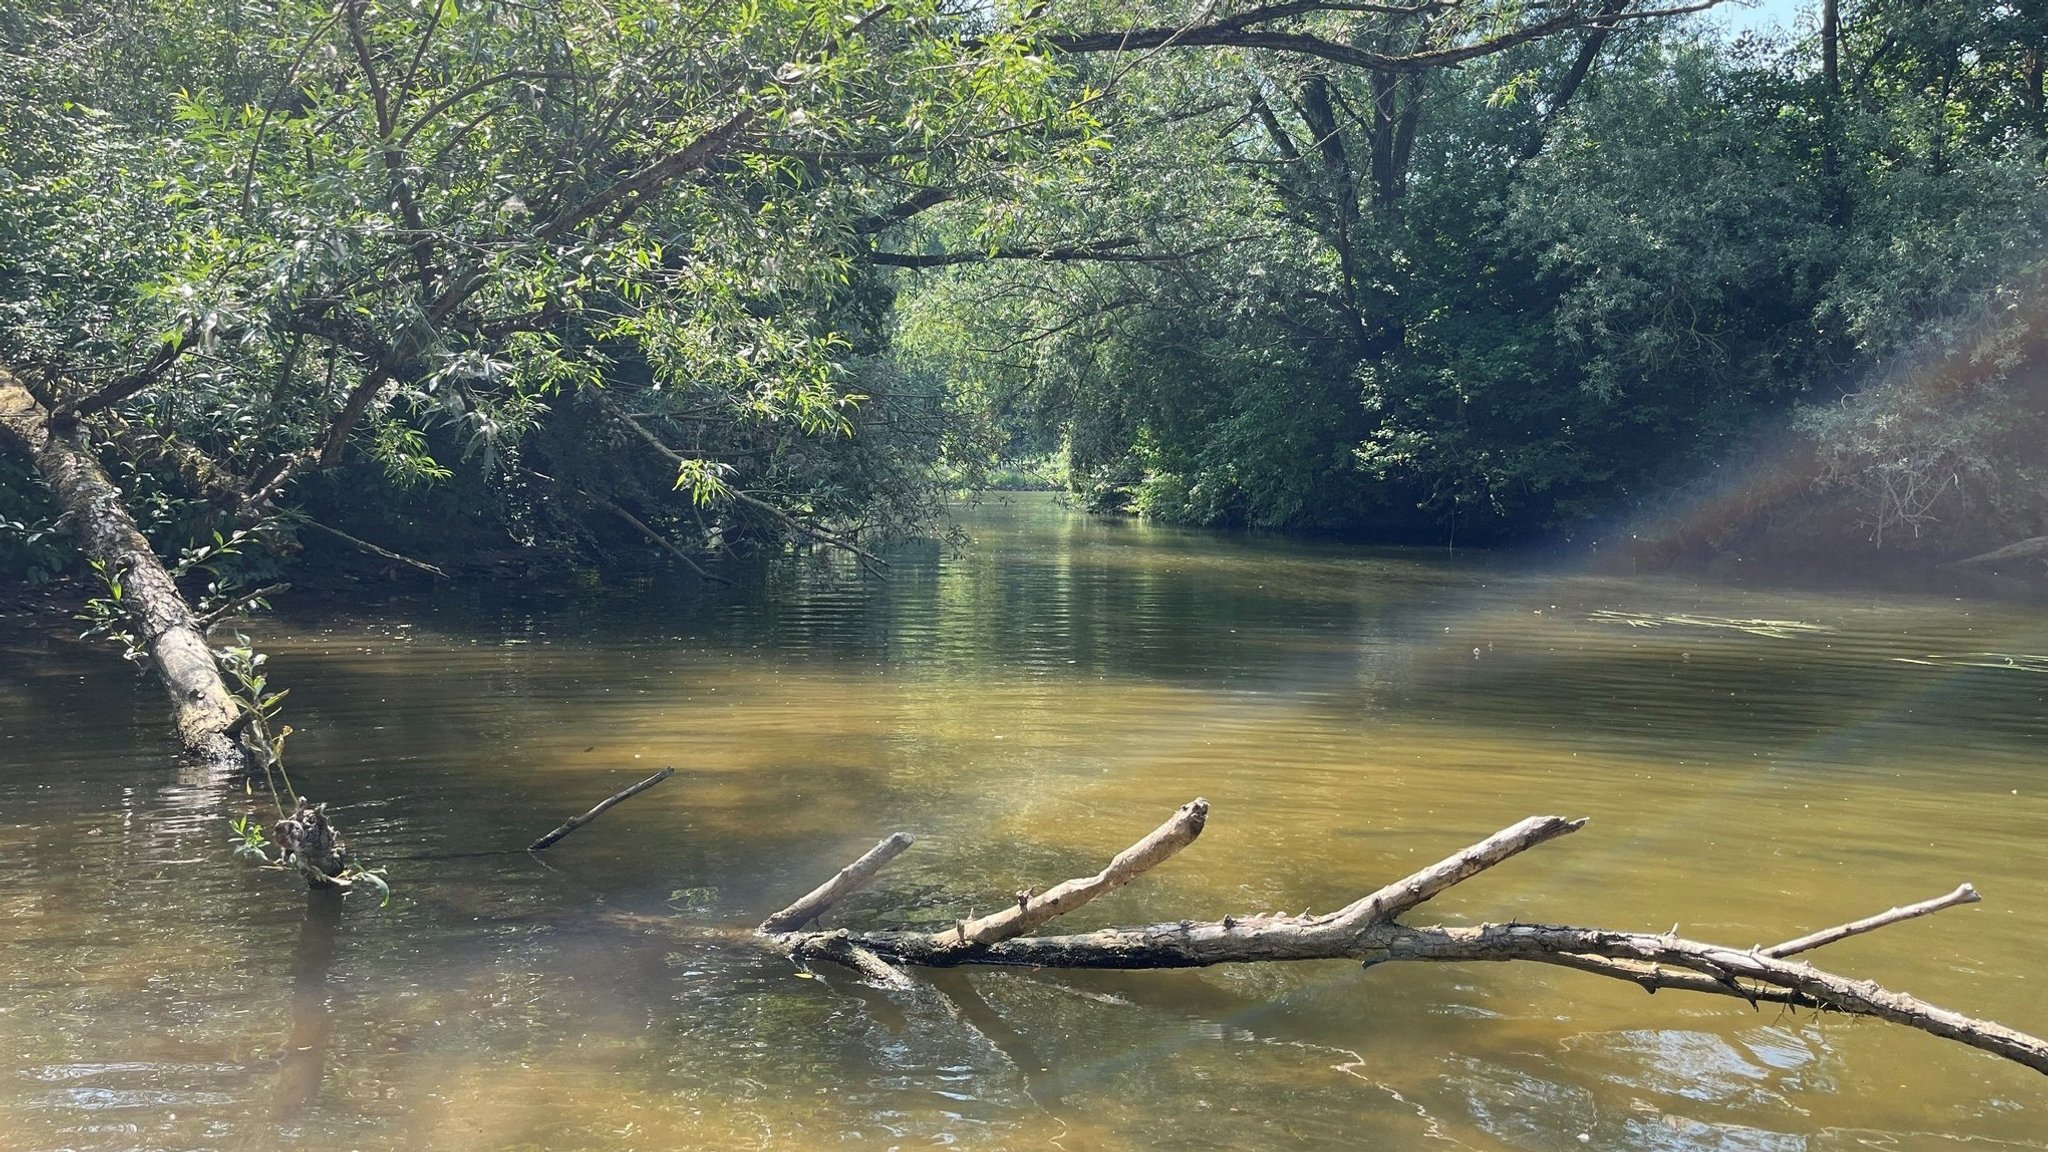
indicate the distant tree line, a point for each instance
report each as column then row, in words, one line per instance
column 1591, row 277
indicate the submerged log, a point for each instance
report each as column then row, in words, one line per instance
column 2032, row 548
column 1368, row 931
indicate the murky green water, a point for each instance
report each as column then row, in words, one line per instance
column 1027, row 706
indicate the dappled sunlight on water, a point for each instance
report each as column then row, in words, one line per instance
column 1027, row 706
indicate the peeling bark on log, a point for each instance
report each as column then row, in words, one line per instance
column 307, row 842
column 840, row 948
column 205, row 714
column 1367, row 931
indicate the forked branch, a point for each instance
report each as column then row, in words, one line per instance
column 1367, row 930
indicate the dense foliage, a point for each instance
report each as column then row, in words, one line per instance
column 611, row 279
column 521, row 271
column 1559, row 286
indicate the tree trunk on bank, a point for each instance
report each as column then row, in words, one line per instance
column 204, row 714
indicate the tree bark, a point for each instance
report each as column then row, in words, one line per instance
column 2035, row 70
column 1831, row 47
column 1831, row 116
column 1574, row 77
column 1250, row 29
column 205, row 716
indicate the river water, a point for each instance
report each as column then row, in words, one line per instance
column 1026, row 704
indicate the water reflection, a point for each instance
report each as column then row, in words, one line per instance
column 305, row 1049
column 1027, row 705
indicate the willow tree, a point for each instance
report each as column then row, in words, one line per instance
column 1553, row 287
column 588, row 244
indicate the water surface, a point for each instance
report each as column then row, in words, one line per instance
column 1027, row 704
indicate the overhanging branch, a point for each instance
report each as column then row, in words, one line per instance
column 1117, row 251
column 1254, row 30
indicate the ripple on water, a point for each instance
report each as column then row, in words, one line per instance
column 1027, row 706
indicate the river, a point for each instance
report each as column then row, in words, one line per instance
column 1027, row 703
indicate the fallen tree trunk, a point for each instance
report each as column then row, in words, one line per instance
column 205, row 716
column 1367, row 931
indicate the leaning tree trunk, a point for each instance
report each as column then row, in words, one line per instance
column 204, row 715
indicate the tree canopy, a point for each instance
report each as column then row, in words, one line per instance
column 610, row 279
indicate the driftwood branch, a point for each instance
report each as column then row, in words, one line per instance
column 1031, row 912
column 1964, row 894
column 575, row 822
column 1796, row 983
column 850, row 879
column 374, row 550
column 1413, row 891
column 1367, row 931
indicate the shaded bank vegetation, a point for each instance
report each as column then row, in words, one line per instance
column 581, row 279
column 463, row 286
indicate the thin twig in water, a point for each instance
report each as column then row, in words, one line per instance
column 575, row 822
